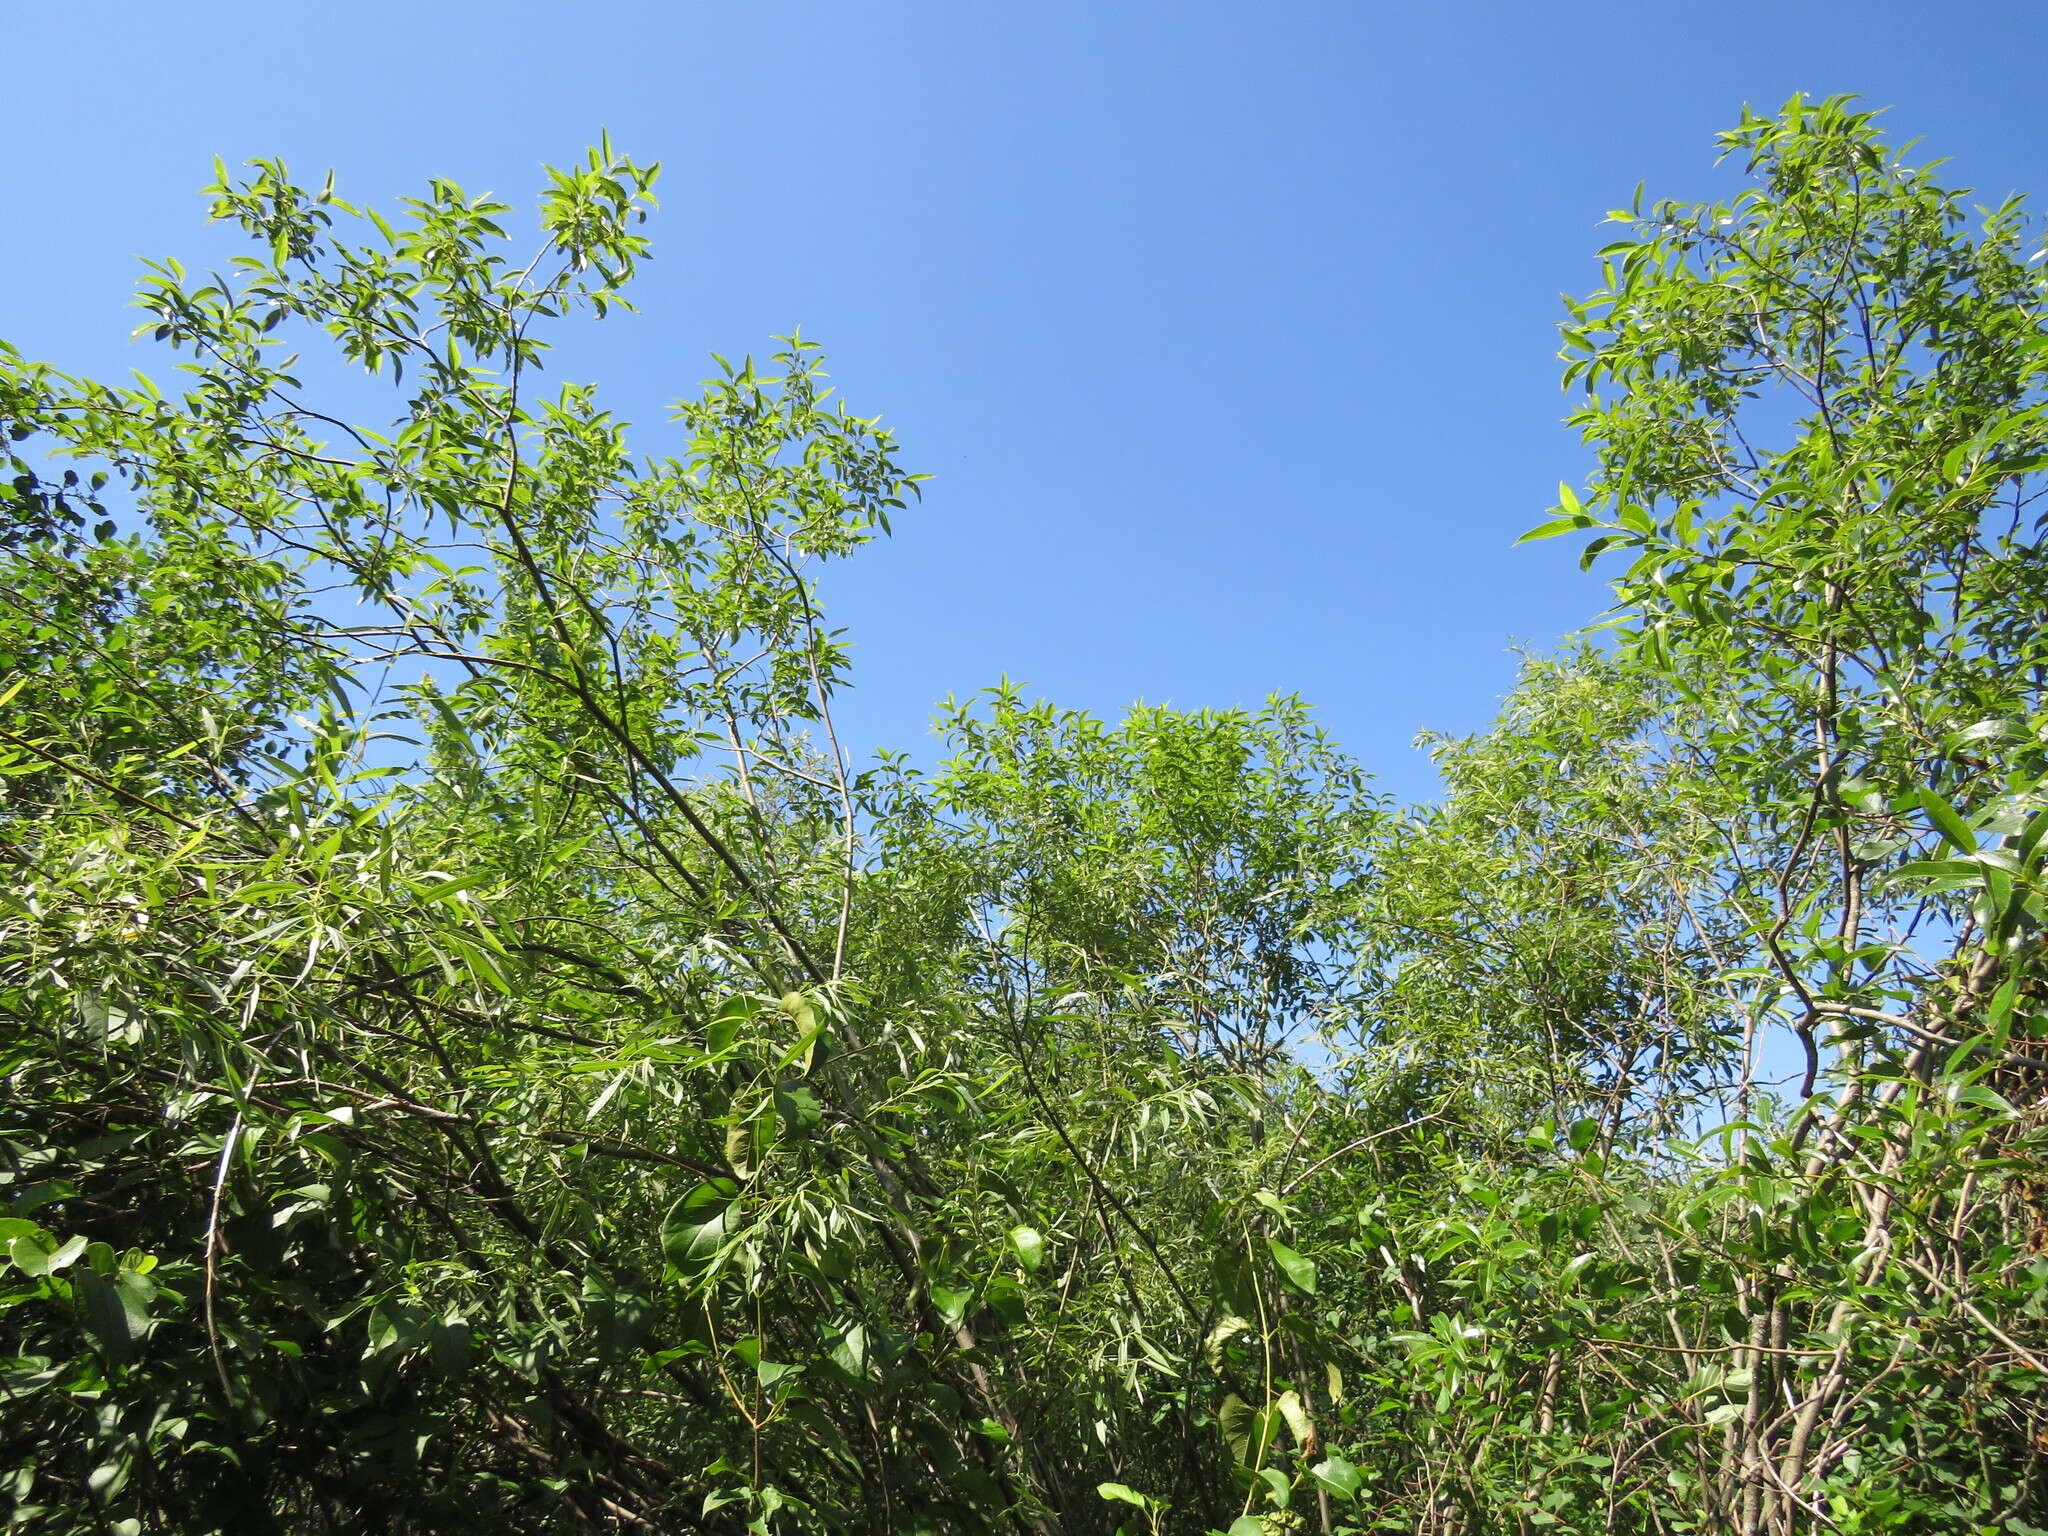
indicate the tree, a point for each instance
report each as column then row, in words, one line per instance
column 1817, row 416
column 478, row 1056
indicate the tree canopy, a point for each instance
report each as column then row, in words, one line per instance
column 479, row 1056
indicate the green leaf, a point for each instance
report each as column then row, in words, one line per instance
column 853, row 1351
column 1220, row 1335
column 1294, row 1412
column 798, row 1107
column 451, row 1344
column 809, row 1030
column 40, row 1254
column 66, row 1255
column 1248, row 1432
column 1006, row 1299
column 696, row 1226
column 114, row 1313
column 1238, row 1421
column 1118, row 1493
column 1338, row 1476
column 1952, row 827
column 1300, row 1272
column 1029, row 1247
column 722, row 1029
column 1556, row 526
column 1279, row 1487
column 951, row 1304
column 740, row 1148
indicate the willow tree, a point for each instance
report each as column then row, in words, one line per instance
column 1768, row 867
column 478, row 1056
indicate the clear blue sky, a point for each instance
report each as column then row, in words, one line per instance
column 1227, row 330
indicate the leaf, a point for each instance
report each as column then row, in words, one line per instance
column 853, row 1351
column 1118, row 1493
column 1291, row 1408
column 1557, row 525
column 1248, row 1432
column 1952, row 827
column 1221, row 1334
column 739, row 1148
column 1029, row 1247
column 65, row 1256
column 115, row 1314
column 450, row 1344
column 109, row 1478
column 1236, row 1419
column 395, row 1327
column 723, row 1027
column 1300, row 1272
column 798, row 1107
column 1339, row 1476
column 809, row 1029
column 951, row 1305
column 1279, row 1487
column 40, row 1254
column 696, row 1226
column 1006, row 1299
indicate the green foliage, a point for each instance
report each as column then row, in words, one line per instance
column 478, row 1057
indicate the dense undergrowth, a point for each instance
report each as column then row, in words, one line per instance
column 477, row 1058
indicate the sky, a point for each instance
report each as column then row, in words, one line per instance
column 1227, row 332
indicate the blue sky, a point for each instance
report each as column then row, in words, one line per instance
column 1227, row 331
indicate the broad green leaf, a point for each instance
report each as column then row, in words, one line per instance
column 810, row 1029
column 696, row 1226
column 1220, row 1335
column 1291, row 1409
column 798, row 1107
column 114, row 1313
column 951, row 1304
column 1300, row 1272
column 1338, row 1476
column 1248, row 1432
column 1029, row 1247
column 1118, row 1493
column 39, row 1254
